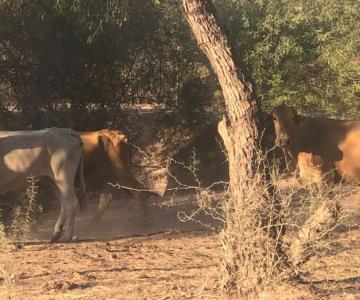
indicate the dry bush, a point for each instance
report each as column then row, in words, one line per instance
column 208, row 200
column 312, row 212
column 252, row 239
column 22, row 217
column 24, row 213
column 3, row 239
column 308, row 211
column 4, row 263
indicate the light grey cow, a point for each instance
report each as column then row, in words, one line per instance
column 54, row 155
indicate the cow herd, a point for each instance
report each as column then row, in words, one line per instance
column 322, row 149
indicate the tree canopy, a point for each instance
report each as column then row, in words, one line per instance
column 305, row 53
column 106, row 53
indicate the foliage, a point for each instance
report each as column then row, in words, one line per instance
column 98, row 54
column 103, row 54
column 302, row 52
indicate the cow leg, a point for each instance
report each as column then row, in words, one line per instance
column 58, row 228
column 104, row 201
column 69, row 202
column 59, row 225
column 70, row 205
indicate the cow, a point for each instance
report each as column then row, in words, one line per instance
column 107, row 159
column 53, row 155
column 334, row 143
column 315, row 170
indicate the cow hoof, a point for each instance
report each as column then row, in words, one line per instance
column 96, row 219
column 55, row 237
column 67, row 240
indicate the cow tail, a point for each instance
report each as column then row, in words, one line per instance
column 82, row 193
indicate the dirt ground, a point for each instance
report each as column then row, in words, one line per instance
column 127, row 257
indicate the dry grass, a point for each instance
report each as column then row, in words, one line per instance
column 164, row 266
column 22, row 219
column 170, row 265
column 4, row 262
column 309, row 212
column 180, row 268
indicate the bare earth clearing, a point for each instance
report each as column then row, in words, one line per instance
column 171, row 260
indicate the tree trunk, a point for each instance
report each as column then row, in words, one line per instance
column 252, row 257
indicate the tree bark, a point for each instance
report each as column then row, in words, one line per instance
column 252, row 238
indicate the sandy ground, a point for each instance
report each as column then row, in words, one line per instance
column 127, row 257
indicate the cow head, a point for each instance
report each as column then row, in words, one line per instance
column 285, row 120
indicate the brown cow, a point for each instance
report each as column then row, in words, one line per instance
column 335, row 143
column 313, row 169
column 107, row 159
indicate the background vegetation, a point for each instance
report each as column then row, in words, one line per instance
column 90, row 64
column 305, row 53
column 61, row 59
